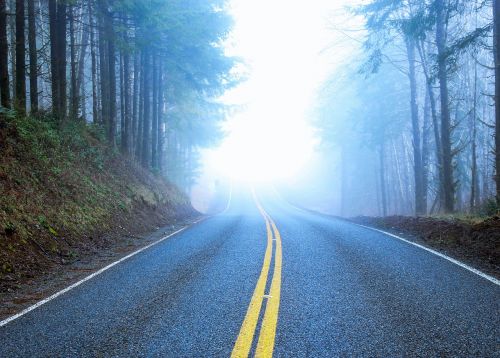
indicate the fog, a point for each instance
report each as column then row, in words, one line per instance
column 271, row 137
column 336, row 98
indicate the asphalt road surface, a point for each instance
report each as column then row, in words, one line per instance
column 266, row 278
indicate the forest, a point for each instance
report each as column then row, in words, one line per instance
column 249, row 178
column 414, row 118
column 145, row 73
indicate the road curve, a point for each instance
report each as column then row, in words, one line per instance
column 331, row 289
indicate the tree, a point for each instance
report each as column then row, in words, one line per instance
column 126, row 131
column 175, row 47
column 4, row 57
column 420, row 196
column 57, row 17
column 146, row 123
column 154, row 124
column 384, row 18
column 93, row 69
column 80, row 79
column 496, row 56
column 439, row 45
column 61, row 55
column 32, row 57
column 112, row 80
column 20, row 98
column 72, row 49
column 103, row 69
column 54, row 60
column 448, row 184
column 435, row 124
column 160, row 110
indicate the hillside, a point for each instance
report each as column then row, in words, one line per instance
column 65, row 194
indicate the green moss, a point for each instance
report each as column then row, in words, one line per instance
column 60, row 185
column 53, row 231
column 7, row 267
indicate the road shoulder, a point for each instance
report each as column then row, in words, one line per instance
column 61, row 276
column 476, row 245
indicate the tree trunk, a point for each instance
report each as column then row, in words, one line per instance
column 426, row 128
column 126, row 82
column 474, row 189
column 54, row 59
column 435, row 124
column 20, row 98
column 122, row 101
column 61, row 54
column 11, row 20
column 160, row 117
column 141, row 109
column 104, row 82
column 95, row 109
column 496, row 55
column 4, row 57
column 437, row 141
column 73, row 88
column 146, row 124
column 154, row 125
column 135, row 95
column 417, row 152
column 344, row 180
column 383, row 193
column 33, row 57
column 80, row 79
column 448, row 184
column 112, row 82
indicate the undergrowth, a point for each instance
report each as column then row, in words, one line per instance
column 63, row 187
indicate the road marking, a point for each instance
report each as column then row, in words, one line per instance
column 245, row 337
column 76, row 284
column 456, row 262
column 229, row 198
column 443, row 256
column 265, row 343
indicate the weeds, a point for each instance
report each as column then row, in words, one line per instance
column 62, row 185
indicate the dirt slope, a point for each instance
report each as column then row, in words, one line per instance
column 64, row 194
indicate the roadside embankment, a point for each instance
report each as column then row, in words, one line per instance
column 475, row 241
column 66, row 196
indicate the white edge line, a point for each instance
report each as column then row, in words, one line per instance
column 229, row 199
column 456, row 262
column 450, row 259
column 76, row 284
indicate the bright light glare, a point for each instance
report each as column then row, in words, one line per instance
column 260, row 148
column 281, row 42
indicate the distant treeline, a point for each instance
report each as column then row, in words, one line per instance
column 417, row 120
column 146, row 71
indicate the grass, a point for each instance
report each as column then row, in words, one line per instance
column 62, row 187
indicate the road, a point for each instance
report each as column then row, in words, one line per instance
column 266, row 278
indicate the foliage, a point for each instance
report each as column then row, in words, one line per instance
column 398, row 109
column 55, row 196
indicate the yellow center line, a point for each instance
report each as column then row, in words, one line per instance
column 266, row 339
column 247, row 331
column 267, row 335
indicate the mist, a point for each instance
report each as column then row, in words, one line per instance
column 237, row 178
column 341, row 108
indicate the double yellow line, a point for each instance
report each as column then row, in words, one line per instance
column 265, row 343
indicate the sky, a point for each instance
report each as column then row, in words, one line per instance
column 289, row 48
